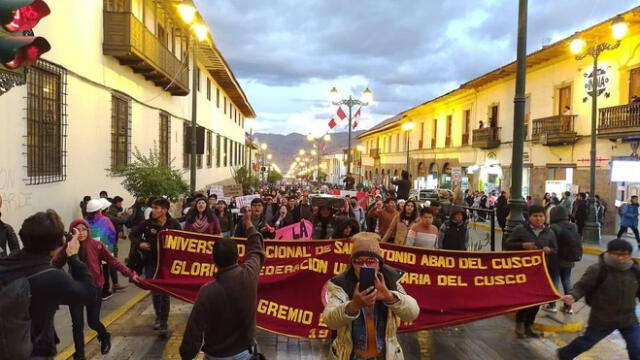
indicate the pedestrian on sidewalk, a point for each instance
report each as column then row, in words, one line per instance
column 92, row 252
column 145, row 237
column 223, row 321
column 366, row 321
column 611, row 288
column 629, row 219
column 502, row 210
column 533, row 235
column 579, row 211
column 43, row 236
column 401, row 223
column 202, row 219
column 569, row 252
column 453, row 233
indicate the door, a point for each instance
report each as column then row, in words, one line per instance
column 564, row 100
column 634, row 83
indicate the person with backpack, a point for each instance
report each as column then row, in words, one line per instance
column 569, row 252
column 611, row 288
column 629, row 218
column 30, row 288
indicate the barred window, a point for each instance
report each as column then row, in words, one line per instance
column 226, row 142
column 218, row 98
column 186, row 157
column 209, row 149
column 46, row 124
column 208, row 89
column 120, row 132
column 164, row 150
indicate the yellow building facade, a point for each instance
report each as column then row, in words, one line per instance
column 466, row 135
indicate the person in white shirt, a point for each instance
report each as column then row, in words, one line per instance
column 423, row 234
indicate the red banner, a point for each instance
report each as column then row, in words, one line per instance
column 451, row 287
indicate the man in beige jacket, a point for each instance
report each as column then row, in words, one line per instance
column 366, row 322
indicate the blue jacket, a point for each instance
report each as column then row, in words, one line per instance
column 629, row 217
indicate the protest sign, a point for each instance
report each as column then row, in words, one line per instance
column 297, row 231
column 232, row 190
column 451, row 287
column 242, row 201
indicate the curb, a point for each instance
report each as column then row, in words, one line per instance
column 591, row 250
column 108, row 320
column 572, row 327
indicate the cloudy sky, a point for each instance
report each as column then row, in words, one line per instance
column 288, row 54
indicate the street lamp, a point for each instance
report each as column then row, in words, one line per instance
column 579, row 48
column 198, row 32
column 407, row 127
column 317, row 142
column 367, row 98
column 516, row 202
column 301, row 152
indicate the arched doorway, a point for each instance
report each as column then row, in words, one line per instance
column 432, row 176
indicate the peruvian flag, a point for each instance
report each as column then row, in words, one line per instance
column 356, row 117
column 340, row 115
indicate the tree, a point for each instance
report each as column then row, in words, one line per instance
column 243, row 177
column 147, row 176
column 274, row 176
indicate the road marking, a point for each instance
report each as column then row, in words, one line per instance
column 108, row 320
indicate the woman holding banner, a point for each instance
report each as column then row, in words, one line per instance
column 201, row 219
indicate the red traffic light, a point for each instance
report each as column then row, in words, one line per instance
column 27, row 17
column 20, row 51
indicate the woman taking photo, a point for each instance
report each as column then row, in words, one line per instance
column 92, row 252
column 201, row 219
column 424, row 233
column 225, row 218
column 401, row 223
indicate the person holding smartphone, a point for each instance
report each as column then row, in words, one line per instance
column 366, row 304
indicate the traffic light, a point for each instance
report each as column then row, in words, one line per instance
column 17, row 18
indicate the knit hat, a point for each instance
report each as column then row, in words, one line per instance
column 366, row 244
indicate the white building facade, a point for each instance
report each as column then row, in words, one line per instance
column 117, row 79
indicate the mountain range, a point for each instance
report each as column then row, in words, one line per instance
column 285, row 148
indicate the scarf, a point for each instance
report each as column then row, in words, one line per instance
column 620, row 266
column 200, row 224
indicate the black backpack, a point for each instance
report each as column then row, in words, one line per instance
column 15, row 320
column 602, row 276
column 569, row 243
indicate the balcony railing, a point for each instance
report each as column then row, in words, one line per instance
column 554, row 130
column 486, row 138
column 620, row 121
column 129, row 40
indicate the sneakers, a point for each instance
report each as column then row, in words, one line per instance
column 551, row 307
column 156, row 324
column 163, row 331
column 105, row 343
column 107, row 296
column 520, row 330
column 118, row 287
column 567, row 309
column 528, row 331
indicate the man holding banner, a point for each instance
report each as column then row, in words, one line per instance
column 366, row 321
column 224, row 315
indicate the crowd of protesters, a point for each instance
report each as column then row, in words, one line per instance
column 89, row 250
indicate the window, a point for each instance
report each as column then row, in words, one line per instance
column 226, row 152
column 421, row 135
column 218, row 98
column 634, row 83
column 186, row 157
column 466, row 126
column 237, row 153
column 225, row 105
column 120, row 132
column 449, row 126
column 217, row 150
column 209, row 149
column 231, row 152
column 397, row 142
column 564, row 100
column 208, row 89
column 164, row 141
column 198, row 78
column 46, row 124
column 434, row 134
column 493, row 116
column 162, row 35
column 230, row 109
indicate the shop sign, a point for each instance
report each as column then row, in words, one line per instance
column 602, row 78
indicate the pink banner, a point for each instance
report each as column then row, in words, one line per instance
column 297, row 231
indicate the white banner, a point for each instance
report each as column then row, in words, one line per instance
column 242, row 201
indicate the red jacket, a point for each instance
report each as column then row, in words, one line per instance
column 95, row 253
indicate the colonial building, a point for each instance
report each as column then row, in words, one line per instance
column 466, row 135
column 117, row 79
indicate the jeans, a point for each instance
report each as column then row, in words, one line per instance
column 527, row 316
column 109, row 272
column 563, row 277
column 592, row 336
column 161, row 302
column 623, row 230
column 245, row 355
column 93, row 320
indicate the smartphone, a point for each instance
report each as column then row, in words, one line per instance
column 367, row 278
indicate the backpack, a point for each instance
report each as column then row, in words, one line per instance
column 602, row 276
column 15, row 320
column 569, row 244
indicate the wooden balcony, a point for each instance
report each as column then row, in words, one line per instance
column 127, row 39
column 486, row 138
column 619, row 122
column 554, row 130
column 374, row 153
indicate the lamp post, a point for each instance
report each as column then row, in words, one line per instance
column 317, row 141
column 360, row 149
column 578, row 47
column 516, row 202
column 198, row 32
column 263, row 148
column 407, row 127
column 367, row 98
